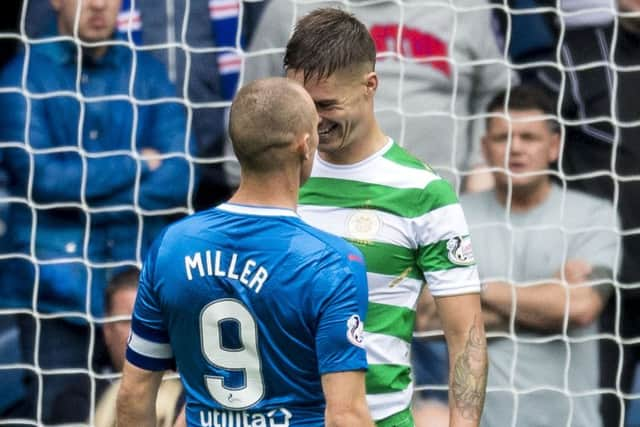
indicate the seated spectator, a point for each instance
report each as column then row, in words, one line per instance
column 100, row 161
column 597, row 91
column 546, row 256
column 120, row 297
column 204, row 35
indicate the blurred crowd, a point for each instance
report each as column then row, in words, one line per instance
column 113, row 124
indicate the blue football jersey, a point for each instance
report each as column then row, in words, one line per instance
column 252, row 305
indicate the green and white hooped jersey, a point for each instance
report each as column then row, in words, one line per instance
column 408, row 223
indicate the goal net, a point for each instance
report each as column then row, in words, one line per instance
column 439, row 63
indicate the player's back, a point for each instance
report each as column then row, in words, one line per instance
column 257, row 305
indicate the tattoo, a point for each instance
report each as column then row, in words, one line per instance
column 470, row 375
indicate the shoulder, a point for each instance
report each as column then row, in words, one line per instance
column 150, row 67
column 480, row 206
column 11, row 73
column 402, row 157
column 191, row 223
column 588, row 210
column 399, row 169
column 328, row 245
column 476, row 199
column 147, row 60
column 181, row 231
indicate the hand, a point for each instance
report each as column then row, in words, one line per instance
column 576, row 271
column 150, row 155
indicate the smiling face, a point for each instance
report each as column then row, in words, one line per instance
column 344, row 102
column 533, row 147
column 97, row 19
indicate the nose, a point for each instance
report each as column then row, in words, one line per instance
column 96, row 4
column 516, row 143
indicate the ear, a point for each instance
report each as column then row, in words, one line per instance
column 554, row 147
column 301, row 146
column 371, row 83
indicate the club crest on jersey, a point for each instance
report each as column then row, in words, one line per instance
column 355, row 330
column 363, row 225
column 460, row 251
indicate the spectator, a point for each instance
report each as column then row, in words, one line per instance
column 531, row 26
column 601, row 157
column 97, row 162
column 120, row 296
column 431, row 84
column 554, row 250
column 119, row 301
column 187, row 32
column 534, row 27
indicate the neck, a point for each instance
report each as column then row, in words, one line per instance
column 359, row 150
column 279, row 191
column 525, row 197
column 96, row 52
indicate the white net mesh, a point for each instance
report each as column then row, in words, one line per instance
column 440, row 62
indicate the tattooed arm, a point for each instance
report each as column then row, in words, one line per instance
column 463, row 327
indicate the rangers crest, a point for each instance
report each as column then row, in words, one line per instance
column 355, row 329
column 460, row 251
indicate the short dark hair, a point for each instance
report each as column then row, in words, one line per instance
column 525, row 97
column 125, row 279
column 328, row 40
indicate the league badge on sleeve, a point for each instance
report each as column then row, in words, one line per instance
column 460, row 251
column 355, row 331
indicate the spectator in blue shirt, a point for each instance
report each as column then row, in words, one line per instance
column 99, row 157
column 197, row 40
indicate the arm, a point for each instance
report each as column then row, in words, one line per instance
column 543, row 306
column 341, row 294
column 493, row 320
column 163, row 130
column 346, row 402
column 181, row 419
column 463, row 327
column 57, row 176
column 136, row 405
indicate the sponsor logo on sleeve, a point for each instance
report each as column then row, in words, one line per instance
column 355, row 331
column 459, row 250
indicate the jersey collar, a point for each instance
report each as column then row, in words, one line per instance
column 256, row 210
